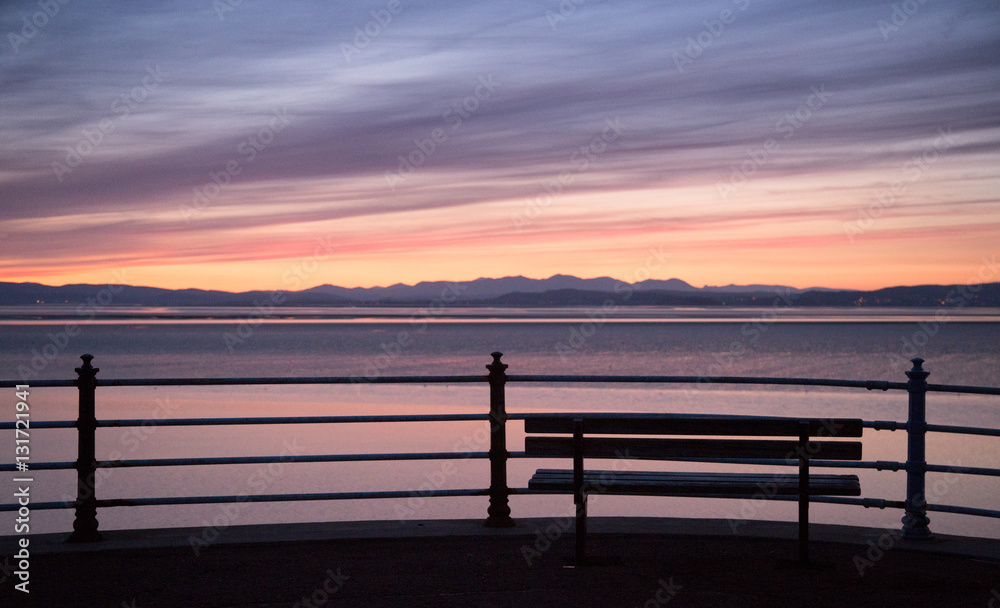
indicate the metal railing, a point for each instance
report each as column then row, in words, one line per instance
column 86, row 504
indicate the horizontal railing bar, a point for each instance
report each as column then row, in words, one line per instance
column 951, row 388
column 884, row 425
column 966, row 430
column 880, row 465
column 178, row 462
column 281, row 380
column 42, row 424
column 38, row 506
column 879, row 425
column 38, row 383
column 39, row 466
column 964, row 510
column 939, row 468
column 69, row 424
column 868, row 503
column 200, row 500
column 190, row 500
column 866, row 384
column 292, row 420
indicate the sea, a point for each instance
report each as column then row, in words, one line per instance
column 960, row 346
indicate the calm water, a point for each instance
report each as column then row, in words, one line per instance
column 790, row 343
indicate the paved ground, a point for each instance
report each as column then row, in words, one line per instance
column 638, row 563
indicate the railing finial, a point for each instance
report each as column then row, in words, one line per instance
column 87, row 369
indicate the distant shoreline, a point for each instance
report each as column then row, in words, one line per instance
column 44, row 314
column 512, row 292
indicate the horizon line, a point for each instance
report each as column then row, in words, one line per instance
column 706, row 286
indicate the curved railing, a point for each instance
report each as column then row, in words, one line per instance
column 86, row 504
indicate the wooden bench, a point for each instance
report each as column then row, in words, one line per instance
column 580, row 482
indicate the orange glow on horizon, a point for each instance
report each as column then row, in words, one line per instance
column 699, row 239
column 694, row 267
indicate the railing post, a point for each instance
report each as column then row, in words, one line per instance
column 915, row 521
column 85, row 524
column 498, row 511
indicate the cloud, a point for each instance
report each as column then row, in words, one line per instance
column 354, row 116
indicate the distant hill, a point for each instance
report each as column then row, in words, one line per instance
column 559, row 290
column 481, row 289
column 25, row 294
column 987, row 294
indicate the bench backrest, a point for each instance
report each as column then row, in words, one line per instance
column 686, row 425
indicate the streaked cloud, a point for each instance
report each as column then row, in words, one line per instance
column 430, row 126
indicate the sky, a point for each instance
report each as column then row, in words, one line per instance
column 265, row 144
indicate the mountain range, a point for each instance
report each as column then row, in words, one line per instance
column 558, row 290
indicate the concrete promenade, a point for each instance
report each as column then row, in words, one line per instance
column 638, row 562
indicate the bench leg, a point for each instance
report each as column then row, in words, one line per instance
column 804, row 530
column 579, row 493
column 804, row 494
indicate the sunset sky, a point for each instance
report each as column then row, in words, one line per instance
column 235, row 144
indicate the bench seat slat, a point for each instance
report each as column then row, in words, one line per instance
column 559, row 474
column 653, row 448
column 686, row 424
column 679, row 484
